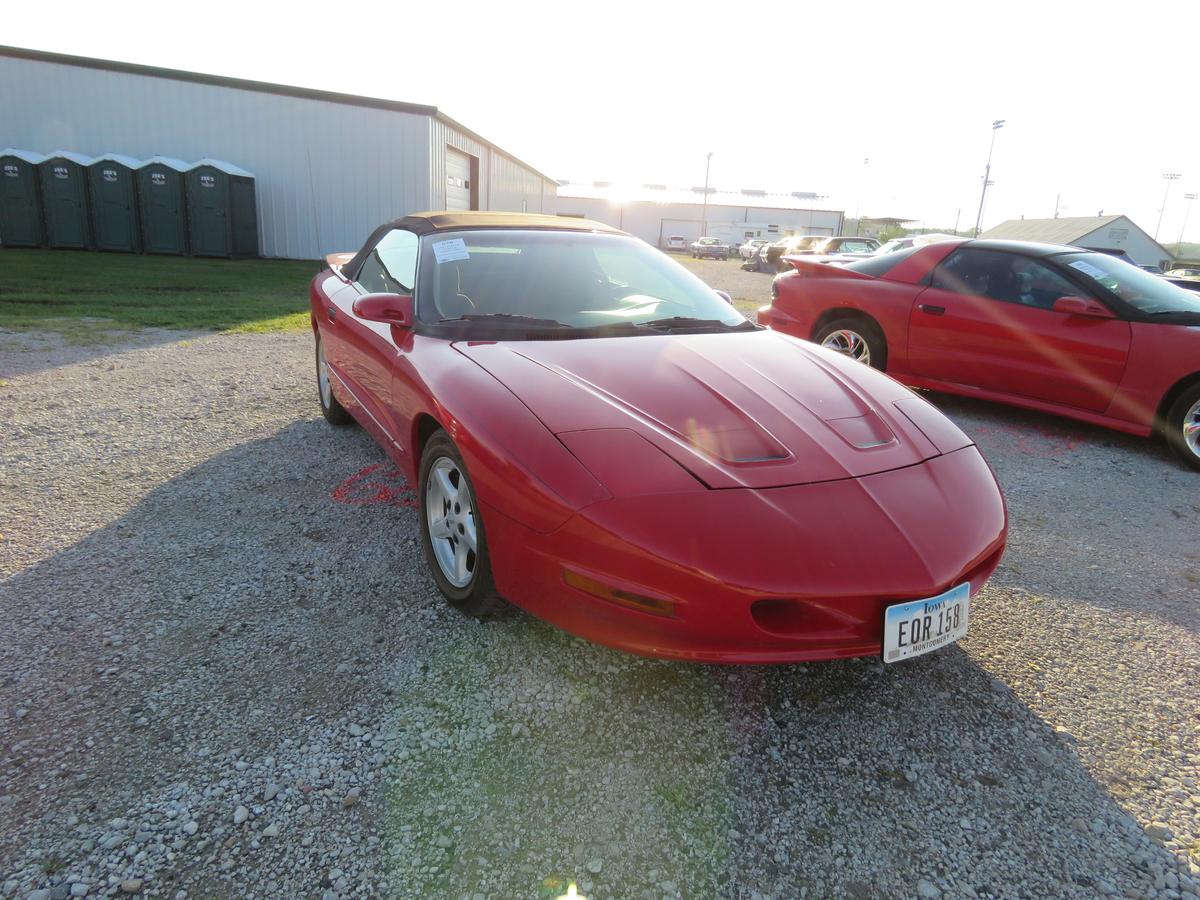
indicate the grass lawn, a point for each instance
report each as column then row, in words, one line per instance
column 75, row 292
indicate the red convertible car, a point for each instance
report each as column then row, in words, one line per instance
column 1051, row 328
column 598, row 437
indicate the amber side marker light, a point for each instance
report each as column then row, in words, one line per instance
column 616, row 595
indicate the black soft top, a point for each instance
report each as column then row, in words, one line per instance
column 433, row 222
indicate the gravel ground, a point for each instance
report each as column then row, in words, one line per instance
column 226, row 673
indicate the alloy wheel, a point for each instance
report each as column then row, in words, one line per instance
column 450, row 516
column 323, row 376
column 1191, row 428
column 851, row 343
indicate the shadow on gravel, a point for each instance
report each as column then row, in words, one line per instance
column 533, row 760
column 1094, row 514
column 234, row 607
column 79, row 341
column 239, row 612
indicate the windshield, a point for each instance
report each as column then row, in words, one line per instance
column 560, row 279
column 855, row 245
column 1145, row 292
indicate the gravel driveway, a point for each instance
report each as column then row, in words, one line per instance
column 226, row 673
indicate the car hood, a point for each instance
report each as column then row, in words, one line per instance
column 751, row 409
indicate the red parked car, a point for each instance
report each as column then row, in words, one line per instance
column 598, row 437
column 1056, row 329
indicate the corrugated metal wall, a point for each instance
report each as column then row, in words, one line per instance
column 327, row 173
column 503, row 183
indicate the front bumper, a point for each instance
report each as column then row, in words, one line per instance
column 761, row 576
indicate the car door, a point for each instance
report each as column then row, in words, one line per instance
column 986, row 321
column 366, row 352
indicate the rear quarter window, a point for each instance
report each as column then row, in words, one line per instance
column 878, row 266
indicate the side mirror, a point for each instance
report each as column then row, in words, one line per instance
column 390, row 309
column 724, row 296
column 1082, row 306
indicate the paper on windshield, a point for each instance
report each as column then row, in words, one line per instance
column 1088, row 269
column 451, row 250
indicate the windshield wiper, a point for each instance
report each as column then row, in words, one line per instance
column 673, row 322
column 506, row 318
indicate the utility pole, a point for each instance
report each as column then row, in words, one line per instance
column 1187, row 210
column 858, row 202
column 987, row 171
column 1057, row 198
column 704, row 215
column 1168, row 177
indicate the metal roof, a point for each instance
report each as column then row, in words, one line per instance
column 77, row 158
column 169, row 161
column 128, row 161
column 28, row 155
column 227, row 167
column 641, row 194
column 1049, row 231
column 263, row 87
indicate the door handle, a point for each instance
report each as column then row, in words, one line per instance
column 931, row 310
column 332, row 313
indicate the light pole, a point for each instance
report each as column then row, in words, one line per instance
column 987, row 171
column 858, row 202
column 704, row 214
column 1168, row 177
column 1186, row 212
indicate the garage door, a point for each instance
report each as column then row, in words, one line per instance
column 458, row 179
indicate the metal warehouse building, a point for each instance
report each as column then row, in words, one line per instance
column 328, row 167
column 656, row 212
column 1089, row 232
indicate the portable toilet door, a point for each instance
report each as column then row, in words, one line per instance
column 63, row 177
column 20, row 199
column 113, row 194
column 222, row 213
column 162, row 206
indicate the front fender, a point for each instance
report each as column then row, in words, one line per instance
column 517, row 466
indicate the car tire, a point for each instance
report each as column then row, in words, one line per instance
column 449, row 519
column 859, row 338
column 1182, row 426
column 334, row 412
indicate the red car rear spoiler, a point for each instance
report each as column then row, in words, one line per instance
column 810, row 269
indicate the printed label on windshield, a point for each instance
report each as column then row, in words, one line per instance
column 451, row 250
column 1088, row 269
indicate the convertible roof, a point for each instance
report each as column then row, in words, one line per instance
column 433, row 222
column 1030, row 248
column 427, row 222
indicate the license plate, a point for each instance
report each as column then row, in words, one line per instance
column 919, row 626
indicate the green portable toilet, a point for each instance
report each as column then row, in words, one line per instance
column 222, row 214
column 63, row 176
column 112, row 191
column 162, row 207
column 20, row 199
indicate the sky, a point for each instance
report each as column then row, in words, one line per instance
column 885, row 108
